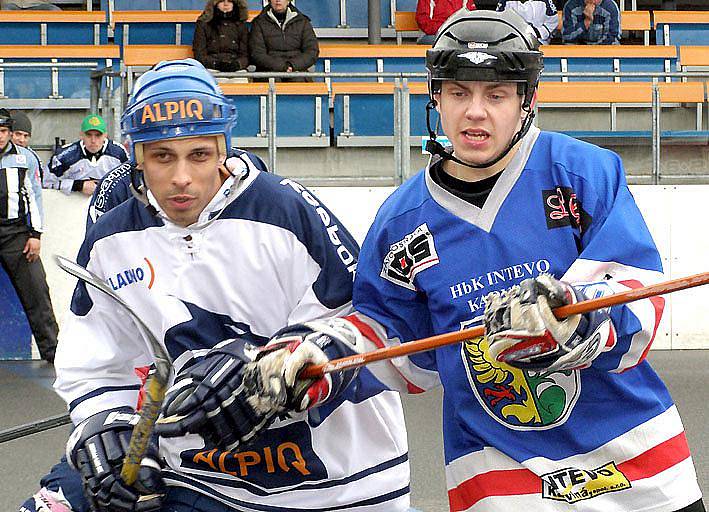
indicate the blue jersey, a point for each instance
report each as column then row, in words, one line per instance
column 604, row 438
column 264, row 253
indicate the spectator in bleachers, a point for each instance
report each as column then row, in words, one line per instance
column 430, row 15
column 30, row 5
column 282, row 39
column 541, row 15
column 20, row 231
column 221, row 39
column 591, row 22
column 78, row 166
column 21, row 135
column 242, row 6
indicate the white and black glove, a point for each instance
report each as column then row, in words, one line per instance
column 97, row 447
column 208, row 399
column 523, row 332
column 273, row 377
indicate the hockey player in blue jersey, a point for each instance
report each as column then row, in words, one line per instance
column 539, row 414
column 215, row 262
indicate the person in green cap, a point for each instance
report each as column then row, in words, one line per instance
column 78, row 166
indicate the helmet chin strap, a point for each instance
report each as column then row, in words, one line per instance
column 436, row 148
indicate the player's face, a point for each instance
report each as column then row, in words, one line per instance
column 93, row 140
column 5, row 135
column 479, row 118
column 21, row 138
column 183, row 175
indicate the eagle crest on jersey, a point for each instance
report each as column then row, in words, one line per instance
column 519, row 399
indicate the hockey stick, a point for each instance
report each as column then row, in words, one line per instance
column 156, row 384
column 441, row 340
column 34, row 427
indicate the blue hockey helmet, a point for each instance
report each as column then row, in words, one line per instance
column 174, row 99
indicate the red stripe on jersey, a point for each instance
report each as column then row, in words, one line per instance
column 366, row 330
column 656, row 459
column 369, row 333
column 659, row 304
column 509, row 482
column 522, row 481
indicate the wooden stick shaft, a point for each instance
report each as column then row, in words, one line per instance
column 413, row 347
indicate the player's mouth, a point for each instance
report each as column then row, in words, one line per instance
column 181, row 201
column 475, row 137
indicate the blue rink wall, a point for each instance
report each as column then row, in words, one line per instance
column 673, row 214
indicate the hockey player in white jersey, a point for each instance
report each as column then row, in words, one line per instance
column 215, row 262
column 539, row 414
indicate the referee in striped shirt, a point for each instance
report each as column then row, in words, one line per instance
column 20, row 230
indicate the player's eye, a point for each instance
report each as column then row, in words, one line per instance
column 200, row 155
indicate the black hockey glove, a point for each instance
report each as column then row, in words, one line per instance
column 208, row 399
column 523, row 332
column 97, row 447
column 273, row 377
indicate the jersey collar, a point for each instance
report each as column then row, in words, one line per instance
column 485, row 216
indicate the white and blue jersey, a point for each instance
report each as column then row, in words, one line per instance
column 603, row 438
column 263, row 254
column 74, row 163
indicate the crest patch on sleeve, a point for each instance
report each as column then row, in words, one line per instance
column 409, row 256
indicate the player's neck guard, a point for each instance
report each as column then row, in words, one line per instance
column 436, row 148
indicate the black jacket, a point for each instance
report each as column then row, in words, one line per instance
column 274, row 48
column 222, row 43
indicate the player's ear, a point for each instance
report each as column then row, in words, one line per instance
column 437, row 102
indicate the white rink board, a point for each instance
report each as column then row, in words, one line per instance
column 675, row 215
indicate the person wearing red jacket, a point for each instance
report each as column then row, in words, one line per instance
column 430, row 14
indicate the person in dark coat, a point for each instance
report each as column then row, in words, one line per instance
column 282, row 39
column 221, row 38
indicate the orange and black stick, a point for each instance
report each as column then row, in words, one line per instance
column 413, row 347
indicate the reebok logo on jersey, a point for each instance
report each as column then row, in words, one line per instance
column 345, row 255
column 574, row 484
column 412, row 254
column 562, row 208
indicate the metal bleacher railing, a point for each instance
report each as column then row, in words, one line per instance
column 401, row 87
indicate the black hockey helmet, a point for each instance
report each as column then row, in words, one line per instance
column 5, row 118
column 486, row 46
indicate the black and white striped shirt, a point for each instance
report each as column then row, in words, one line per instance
column 17, row 201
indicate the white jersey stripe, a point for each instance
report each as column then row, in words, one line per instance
column 652, row 451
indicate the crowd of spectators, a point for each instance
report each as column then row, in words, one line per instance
column 281, row 38
column 582, row 21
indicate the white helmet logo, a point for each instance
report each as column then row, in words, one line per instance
column 477, row 57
